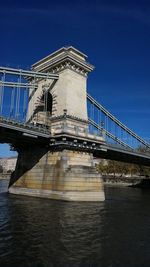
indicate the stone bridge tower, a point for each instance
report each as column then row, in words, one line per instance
column 57, row 171
column 67, row 95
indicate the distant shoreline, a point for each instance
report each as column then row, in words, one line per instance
column 134, row 181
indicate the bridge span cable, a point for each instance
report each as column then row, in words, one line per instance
column 21, row 85
column 15, row 87
column 24, row 103
column 18, row 98
column 110, row 135
column 2, row 94
column 12, row 102
column 119, row 123
column 28, row 73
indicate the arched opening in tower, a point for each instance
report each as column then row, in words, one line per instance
column 45, row 104
column 49, row 103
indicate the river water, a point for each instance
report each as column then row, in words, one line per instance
column 45, row 233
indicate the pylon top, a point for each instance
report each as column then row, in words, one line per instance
column 65, row 57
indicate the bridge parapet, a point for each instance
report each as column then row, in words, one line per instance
column 72, row 125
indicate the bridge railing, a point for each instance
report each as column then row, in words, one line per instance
column 113, row 130
column 16, row 86
column 30, row 126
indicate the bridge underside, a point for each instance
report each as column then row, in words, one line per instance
column 19, row 135
column 60, row 166
column 119, row 154
column 63, row 168
column 98, row 149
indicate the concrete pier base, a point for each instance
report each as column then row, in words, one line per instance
column 62, row 175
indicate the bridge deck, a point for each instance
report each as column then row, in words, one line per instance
column 16, row 132
column 21, row 133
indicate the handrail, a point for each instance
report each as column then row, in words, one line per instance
column 119, row 123
column 28, row 73
column 113, row 137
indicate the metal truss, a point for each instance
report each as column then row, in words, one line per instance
column 117, row 122
column 28, row 73
column 110, row 135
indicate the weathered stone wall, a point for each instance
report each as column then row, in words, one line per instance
column 34, row 98
column 67, row 175
column 70, row 92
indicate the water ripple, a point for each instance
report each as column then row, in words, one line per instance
column 38, row 232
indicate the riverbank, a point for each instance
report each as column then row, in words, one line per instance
column 133, row 181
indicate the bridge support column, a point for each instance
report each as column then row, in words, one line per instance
column 62, row 175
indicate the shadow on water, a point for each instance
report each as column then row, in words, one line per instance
column 40, row 232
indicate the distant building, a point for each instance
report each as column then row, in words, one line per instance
column 8, row 164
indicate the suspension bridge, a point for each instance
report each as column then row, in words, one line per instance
column 47, row 116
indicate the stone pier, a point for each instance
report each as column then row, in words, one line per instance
column 63, row 175
column 60, row 173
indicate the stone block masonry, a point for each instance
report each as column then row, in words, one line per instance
column 59, row 174
column 63, row 175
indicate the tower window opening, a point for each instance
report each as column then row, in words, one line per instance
column 45, row 104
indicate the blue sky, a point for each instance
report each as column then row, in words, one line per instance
column 114, row 34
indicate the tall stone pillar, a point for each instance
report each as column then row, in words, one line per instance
column 64, row 168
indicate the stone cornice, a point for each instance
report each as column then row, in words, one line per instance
column 69, row 64
column 60, row 51
column 57, row 62
column 74, row 118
